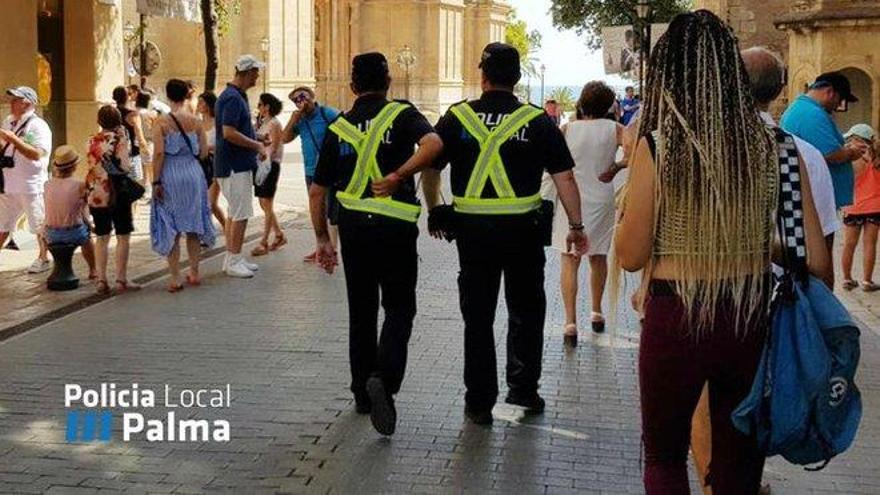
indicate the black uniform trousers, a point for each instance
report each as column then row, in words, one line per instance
column 379, row 256
column 487, row 249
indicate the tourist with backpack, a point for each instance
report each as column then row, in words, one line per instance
column 310, row 122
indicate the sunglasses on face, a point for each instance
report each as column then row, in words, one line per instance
column 301, row 97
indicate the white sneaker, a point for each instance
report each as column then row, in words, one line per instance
column 249, row 265
column 39, row 266
column 238, row 270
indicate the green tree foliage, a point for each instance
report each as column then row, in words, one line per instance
column 526, row 42
column 588, row 17
column 563, row 97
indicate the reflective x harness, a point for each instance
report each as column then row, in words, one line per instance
column 366, row 144
column 489, row 165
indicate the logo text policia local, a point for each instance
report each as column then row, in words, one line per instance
column 91, row 413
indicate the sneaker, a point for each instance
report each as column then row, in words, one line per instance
column 238, row 270
column 11, row 245
column 39, row 266
column 533, row 403
column 383, row 415
column 249, row 265
column 478, row 417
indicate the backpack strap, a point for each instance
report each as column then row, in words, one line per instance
column 790, row 212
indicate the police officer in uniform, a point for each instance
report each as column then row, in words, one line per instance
column 498, row 149
column 368, row 160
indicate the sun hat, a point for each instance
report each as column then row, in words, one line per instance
column 65, row 157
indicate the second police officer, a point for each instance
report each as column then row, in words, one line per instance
column 498, row 149
column 368, row 160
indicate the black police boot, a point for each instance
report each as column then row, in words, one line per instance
column 478, row 417
column 383, row 415
column 362, row 404
column 533, row 403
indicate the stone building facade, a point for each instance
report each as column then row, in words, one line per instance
column 816, row 36
column 81, row 46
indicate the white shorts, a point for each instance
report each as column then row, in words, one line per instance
column 238, row 189
column 12, row 206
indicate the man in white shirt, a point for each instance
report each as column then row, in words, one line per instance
column 25, row 140
column 767, row 76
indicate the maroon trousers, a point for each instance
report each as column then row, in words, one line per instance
column 674, row 364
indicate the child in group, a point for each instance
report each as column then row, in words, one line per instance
column 67, row 217
column 864, row 214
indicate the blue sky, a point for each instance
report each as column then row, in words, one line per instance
column 564, row 53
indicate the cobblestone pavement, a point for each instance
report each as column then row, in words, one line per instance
column 280, row 341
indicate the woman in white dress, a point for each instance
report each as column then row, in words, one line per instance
column 594, row 142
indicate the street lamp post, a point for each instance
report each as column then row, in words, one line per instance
column 406, row 60
column 543, row 70
column 129, row 33
column 264, row 48
column 643, row 13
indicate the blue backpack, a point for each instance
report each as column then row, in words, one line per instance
column 804, row 403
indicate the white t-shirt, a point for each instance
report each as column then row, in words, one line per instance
column 820, row 181
column 28, row 176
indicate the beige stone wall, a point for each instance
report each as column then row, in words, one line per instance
column 18, row 28
column 752, row 20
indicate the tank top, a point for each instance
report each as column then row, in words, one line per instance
column 64, row 200
column 129, row 129
column 593, row 145
column 867, row 192
column 264, row 130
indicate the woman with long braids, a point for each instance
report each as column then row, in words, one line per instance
column 699, row 218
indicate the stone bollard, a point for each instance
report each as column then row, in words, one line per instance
column 62, row 276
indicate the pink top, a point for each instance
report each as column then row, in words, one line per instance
column 65, row 202
column 866, row 199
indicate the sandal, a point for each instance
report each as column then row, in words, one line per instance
column 311, row 257
column 174, row 288
column 261, row 250
column 870, row 286
column 193, row 280
column 849, row 284
column 597, row 321
column 123, row 286
column 570, row 335
column 102, row 288
column 278, row 242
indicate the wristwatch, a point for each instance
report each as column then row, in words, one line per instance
column 576, row 226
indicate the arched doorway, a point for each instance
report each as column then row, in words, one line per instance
column 862, row 111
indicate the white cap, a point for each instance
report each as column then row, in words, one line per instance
column 248, row 62
column 863, row 131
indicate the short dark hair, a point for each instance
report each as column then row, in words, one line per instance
column 271, row 101
column 595, row 100
column 120, row 95
column 628, row 88
column 210, row 100
column 176, row 90
column 109, row 117
column 143, row 99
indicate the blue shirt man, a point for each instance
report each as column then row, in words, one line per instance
column 310, row 123
column 232, row 109
column 630, row 105
column 809, row 118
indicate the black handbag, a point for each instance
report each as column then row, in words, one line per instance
column 127, row 189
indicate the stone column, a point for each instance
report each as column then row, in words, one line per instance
column 94, row 64
column 18, row 34
column 291, row 57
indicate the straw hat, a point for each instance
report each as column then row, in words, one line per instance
column 65, row 157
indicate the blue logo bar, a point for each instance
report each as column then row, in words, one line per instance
column 88, row 432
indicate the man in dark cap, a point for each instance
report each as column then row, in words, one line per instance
column 499, row 149
column 809, row 118
column 368, row 159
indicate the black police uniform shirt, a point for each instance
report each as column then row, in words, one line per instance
column 537, row 147
column 338, row 158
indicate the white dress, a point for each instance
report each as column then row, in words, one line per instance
column 593, row 145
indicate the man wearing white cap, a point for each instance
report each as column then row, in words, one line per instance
column 25, row 140
column 235, row 159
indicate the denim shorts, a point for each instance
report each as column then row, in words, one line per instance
column 77, row 235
